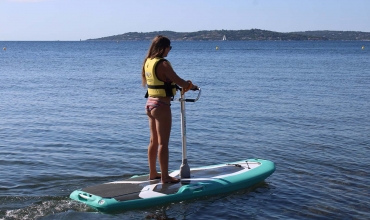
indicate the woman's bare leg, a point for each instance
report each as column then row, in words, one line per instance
column 163, row 123
column 152, row 148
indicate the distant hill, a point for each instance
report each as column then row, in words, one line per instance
column 338, row 35
column 240, row 35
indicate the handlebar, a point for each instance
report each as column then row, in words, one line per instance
column 182, row 99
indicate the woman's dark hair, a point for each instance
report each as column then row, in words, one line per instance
column 156, row 49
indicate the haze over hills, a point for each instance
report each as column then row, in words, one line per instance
column 241, row 35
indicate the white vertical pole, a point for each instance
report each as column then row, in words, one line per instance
column 184, row 168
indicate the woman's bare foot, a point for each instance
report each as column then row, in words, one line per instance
column 155, row 177
column 170, row 179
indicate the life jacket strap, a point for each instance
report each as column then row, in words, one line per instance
column 167, row 87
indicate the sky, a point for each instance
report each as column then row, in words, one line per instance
column 70, row 20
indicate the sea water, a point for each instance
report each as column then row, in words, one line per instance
column 72, row 115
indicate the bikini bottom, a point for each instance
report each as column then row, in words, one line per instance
column 153, row 103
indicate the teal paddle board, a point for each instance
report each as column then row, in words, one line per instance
column 139, row 192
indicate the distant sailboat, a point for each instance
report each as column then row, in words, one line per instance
column 224, row 37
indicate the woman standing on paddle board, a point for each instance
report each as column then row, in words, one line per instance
column 158, row 75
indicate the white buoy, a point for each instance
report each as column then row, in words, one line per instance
column 216, row 48
column 363, row 47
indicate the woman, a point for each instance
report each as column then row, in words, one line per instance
column 161, row 80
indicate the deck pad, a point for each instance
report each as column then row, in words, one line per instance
column 131, row 188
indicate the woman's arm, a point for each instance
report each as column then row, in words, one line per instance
column 164, row 70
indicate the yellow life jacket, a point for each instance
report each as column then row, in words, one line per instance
column 156, row 87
